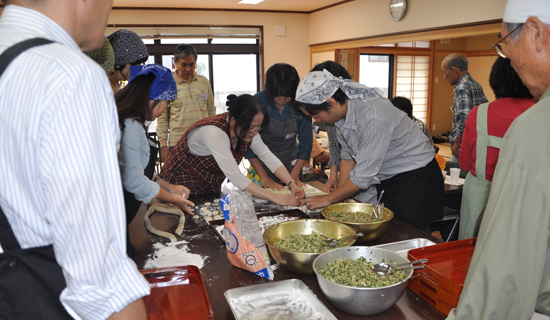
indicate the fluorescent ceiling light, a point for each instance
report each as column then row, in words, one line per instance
column 250, row 1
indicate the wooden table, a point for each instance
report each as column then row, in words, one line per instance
column 451, row 189
column 219, row 275
column 453, row 196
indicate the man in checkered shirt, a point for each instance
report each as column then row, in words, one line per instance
column 468, row 94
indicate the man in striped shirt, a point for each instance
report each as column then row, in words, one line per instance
column 61, row 189
column 195, row 100
column 380, row 146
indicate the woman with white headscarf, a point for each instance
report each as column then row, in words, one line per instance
column 380, row 146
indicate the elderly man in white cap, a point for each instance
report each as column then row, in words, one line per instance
column 509, row 275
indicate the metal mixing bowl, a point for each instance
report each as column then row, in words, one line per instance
column 299, row 262
column 371, row 231
column 360, row 301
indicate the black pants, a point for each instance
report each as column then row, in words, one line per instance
column 415, row 197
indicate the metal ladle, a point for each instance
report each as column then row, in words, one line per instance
column 385, row 269
column 378, row 208
column 333, row 242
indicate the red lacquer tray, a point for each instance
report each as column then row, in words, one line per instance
column 431, row 295
column 448, row 264
column 177, row 293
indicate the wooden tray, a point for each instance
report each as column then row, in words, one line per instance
column 448, row 264
column 177, row 293
column 429, row 295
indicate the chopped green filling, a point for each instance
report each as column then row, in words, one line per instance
column 307, row 243
column 357, row 273
column 353, row 216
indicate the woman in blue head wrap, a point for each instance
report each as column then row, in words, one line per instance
column 148, row 94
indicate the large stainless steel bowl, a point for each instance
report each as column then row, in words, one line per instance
column 371, row 231
column 299, row 262
column 360, row 301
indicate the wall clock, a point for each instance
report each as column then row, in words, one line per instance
column 398, row 9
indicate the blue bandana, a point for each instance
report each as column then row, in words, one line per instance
column 163, row 87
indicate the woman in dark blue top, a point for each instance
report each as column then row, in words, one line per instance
column 289, row 134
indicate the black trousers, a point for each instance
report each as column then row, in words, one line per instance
column 415, row 197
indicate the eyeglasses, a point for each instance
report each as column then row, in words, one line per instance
column 501, row 47
column 255, row 128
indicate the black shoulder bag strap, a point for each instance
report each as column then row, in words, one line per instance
column 13, row 51
column 7, row 237
column 31, row 281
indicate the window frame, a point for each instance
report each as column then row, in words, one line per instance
column 158, row 50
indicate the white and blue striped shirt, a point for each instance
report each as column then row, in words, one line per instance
column 382, row 141
column 60, row 179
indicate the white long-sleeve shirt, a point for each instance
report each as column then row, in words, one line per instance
column 211, row 140
column 60, row 179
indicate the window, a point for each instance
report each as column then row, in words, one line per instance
column 227, row 56
column 233, row 74
column 177, row 41
column 412, row 81
column 233, row 41
column 376, row 72
column 415, row 44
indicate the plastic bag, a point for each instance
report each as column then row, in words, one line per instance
column 245, row 246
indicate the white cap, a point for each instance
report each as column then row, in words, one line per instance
column 517, row 11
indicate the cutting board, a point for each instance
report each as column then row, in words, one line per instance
column 309, row 190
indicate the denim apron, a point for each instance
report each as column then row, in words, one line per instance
column 280, row 138
column 476, row 188
column 31, row 281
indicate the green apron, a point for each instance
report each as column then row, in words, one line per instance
column 476, row 189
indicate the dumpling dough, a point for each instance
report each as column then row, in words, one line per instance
column 159, row 208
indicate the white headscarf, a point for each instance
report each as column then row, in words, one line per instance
column 317, row 86
column 517, row 11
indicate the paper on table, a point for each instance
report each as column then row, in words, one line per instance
column 459, row 183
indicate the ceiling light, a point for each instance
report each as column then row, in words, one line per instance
column 250, row 1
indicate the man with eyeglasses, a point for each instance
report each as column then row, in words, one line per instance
column 195, row 100
column 509, row 275
column 468, row 94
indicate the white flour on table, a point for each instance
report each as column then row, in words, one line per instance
column 173, row 254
